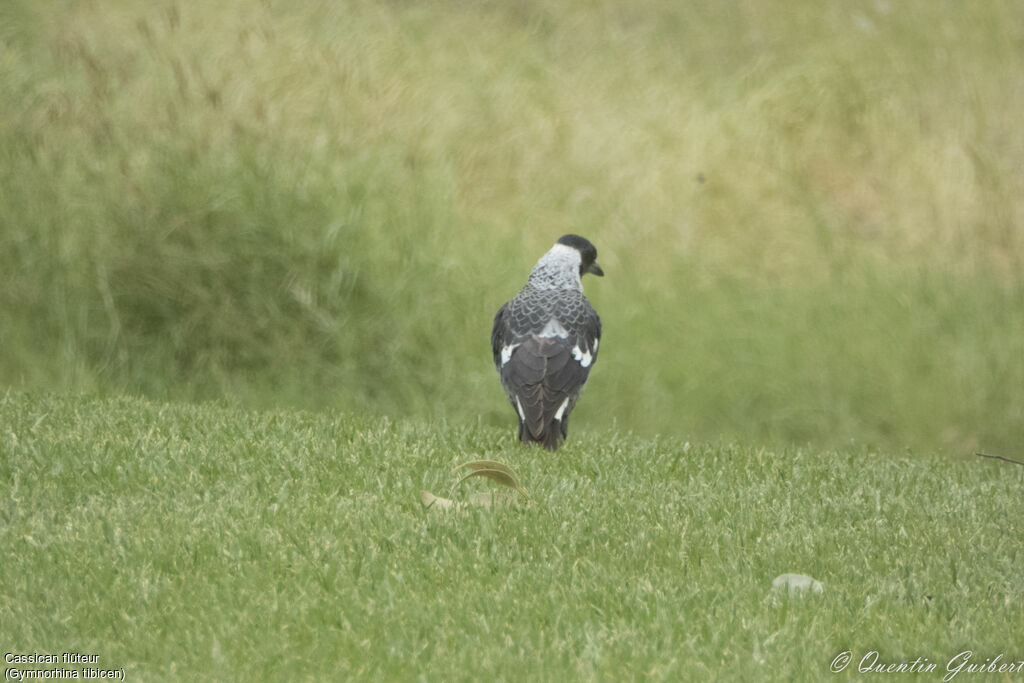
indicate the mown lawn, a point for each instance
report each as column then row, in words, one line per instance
column 207, row 542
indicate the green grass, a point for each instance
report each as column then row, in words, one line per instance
column 809, row 215
column 810, row 218
column 205, row 542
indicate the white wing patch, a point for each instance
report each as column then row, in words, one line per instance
column 519, row 407
column 506, row 353
column 561, row 410
column 583, row 357
column 554, row 329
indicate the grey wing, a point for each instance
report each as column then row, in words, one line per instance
column 499, row 334
column 568, row 376
column 585, row 334
column 592, row 331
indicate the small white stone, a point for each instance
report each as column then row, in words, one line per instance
column 797, row 582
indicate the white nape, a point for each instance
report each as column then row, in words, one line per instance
column 558, row 269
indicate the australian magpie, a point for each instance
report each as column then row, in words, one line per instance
column 545, row 341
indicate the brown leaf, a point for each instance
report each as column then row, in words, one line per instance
column 486, row 499
column 495, row 471
column 485, row 465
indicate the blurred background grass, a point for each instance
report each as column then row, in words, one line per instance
column 810, row 213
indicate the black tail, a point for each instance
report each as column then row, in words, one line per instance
column 542, row 381
column 551, row 435
column 541, row 424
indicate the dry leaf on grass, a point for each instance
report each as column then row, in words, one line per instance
column 493, row 470
column 490, row 469
column 485, row 499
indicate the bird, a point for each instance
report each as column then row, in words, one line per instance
column 545, row 341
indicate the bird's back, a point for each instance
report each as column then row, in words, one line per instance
column 545, row 341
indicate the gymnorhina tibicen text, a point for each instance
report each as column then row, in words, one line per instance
column 545, row 341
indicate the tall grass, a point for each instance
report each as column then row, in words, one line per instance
column 810, row 216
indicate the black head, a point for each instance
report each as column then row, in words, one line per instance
column 588, row 253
